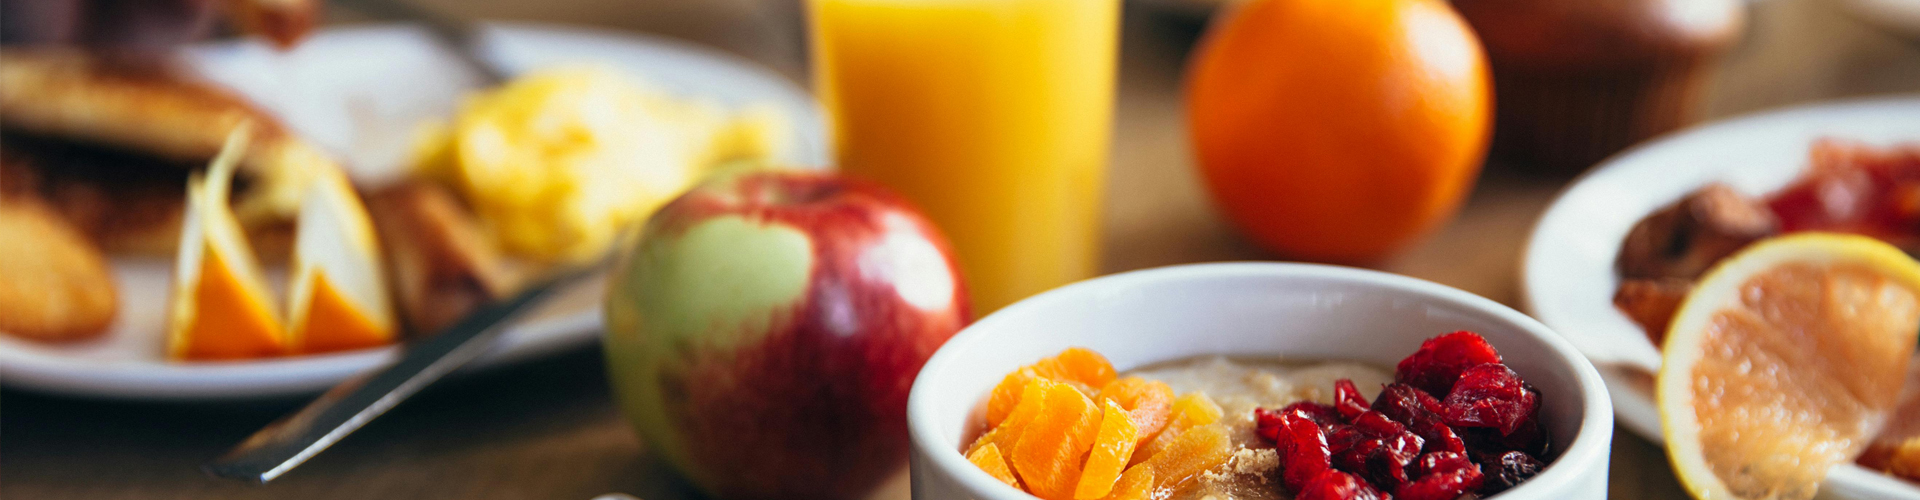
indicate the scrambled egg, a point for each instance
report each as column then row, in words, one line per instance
column 557, row 162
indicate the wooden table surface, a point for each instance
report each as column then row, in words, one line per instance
column 548, row 429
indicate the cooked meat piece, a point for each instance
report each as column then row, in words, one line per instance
column 151, row 108
column 124, row 202
column 122, row 25
column 1903, row 460
column 284, row 22
column 54, row 284
column 442, row 266
column 17, row 175
column 1683, row 240
column 1897, row 448
column 137, row 104
column 1652, row 302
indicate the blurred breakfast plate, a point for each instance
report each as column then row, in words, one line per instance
column 1568, row 271
column 1900, row 17
column 360, row 92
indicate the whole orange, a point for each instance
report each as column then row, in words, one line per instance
column 1339, row 130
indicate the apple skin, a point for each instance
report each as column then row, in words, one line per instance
column 764, row 330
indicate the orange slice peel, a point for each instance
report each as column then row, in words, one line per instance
column 220, row 307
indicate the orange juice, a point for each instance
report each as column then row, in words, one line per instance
column 992, row 116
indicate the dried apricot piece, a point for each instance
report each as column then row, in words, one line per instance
column 1078, row 364
column 1149, row 402
column 1112, row 448
column 1194, row 409
column 1195, row 451
column 988, row 458
column 1191, row 410
column 1008, row 432
column 1007, row 395
column 1047, row 456
column 1135, row 484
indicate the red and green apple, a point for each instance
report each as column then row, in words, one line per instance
column 764, row 330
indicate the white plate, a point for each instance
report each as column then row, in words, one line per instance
column 360, row 92
column 1568, row 271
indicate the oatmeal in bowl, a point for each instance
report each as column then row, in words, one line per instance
column 1258, row 381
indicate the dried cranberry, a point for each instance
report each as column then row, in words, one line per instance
column 1376, row 424
column 1320, row 414
column 1347, row 399
column 1511, row 469
column 1267, row 424
column 1483, row 446
column 1404, row 446
column 1336, row 485
column 1384, row 469
column 1340, row 437
column 1386, row 465
column 1444, row 486
column 1490, row 396
column 1438, row 436
column 1441, row 462
column 1442, row 359
column 1354, row 458
column 1529, row 438
column 1407, row 405
column 1305, row 454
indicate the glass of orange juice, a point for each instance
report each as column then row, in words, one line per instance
column 993, row 116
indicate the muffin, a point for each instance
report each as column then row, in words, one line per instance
column 1578, row 80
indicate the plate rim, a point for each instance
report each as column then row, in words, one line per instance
column 1537, row 237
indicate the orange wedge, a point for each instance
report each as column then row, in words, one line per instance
column 338, row 296
column 988, row 459
column 1784, row 361
column 332, row 322
column 220, row 305
column 1112, row 448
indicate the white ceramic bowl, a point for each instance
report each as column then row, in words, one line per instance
column 1295, row 311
